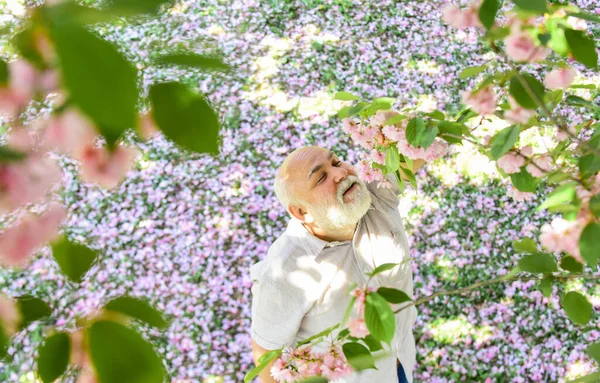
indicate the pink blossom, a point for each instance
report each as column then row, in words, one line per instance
column 10, row 316
column 87, row 375
column 378, row 157
column 410, row 151
column 518, row 195
column 19, row 241
column 69, row 131
column 23, row 140
column 520, row 46
column 349, row 126
column 358, row 328
column 22, row 78
column 560, row 78
column 382, row 116
column 103, row 167
column 561, row 135
column 483, row 102
column 335, row 366
column 79, row 354
column 562, row 235
column 544, row 165
column 511, row 163
column 461, row 18
column 517, row 114
column 436, row 150
column 27, row 181
column 394, row 133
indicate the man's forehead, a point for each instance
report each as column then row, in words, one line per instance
column 300, row 163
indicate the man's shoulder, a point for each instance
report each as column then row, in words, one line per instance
column 281, row 260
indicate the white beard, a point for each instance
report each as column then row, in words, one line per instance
column 338, row 216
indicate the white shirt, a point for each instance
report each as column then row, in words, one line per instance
column 302, row 286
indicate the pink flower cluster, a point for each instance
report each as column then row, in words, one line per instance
column 483, row 101
column 303, row 362
column 562, row 235
column 462, row 18
column 378, row 136
column 512, row 162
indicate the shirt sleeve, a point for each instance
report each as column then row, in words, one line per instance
column 277, row 312
column 388, row 196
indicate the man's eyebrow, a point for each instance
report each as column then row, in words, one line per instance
column 318, row 167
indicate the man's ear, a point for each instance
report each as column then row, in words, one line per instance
column 297, row 212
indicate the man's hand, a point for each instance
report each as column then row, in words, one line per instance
column 265, row 374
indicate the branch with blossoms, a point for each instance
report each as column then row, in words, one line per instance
column 95, row 95
column 527, row 33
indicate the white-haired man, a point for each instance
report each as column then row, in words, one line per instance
column 340, row 230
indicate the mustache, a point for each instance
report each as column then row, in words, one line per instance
column 345, row 185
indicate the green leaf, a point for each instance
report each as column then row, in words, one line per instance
column 524, row 181
column 194, row 60
column 521, row 95
column 137, row 7
column 585, row 16
column 8, row 154
column 453, row 128
column 594, row 351
column 392, row 159
column 4, row 341
column 323, row 333
column 372, row 343
column 25, row 43
column 32, row 309
column 436, row 114
column 570, row 264
column 138, row 309
column 578, row 101
column 562, row 194
column 588, row 243
column 487, row 13
column 466, row 115
column 345, row 96
column 379, row 318
column 472, row 71
column 358, row 356
column 538, row 263
column 429, row 135
column 577, row 307
column 383, row 103
column 343, row 113
column 383, row 267
column 504, row 140
column 395, row 119
column 71, row 12
column 544, row 38
column 589, row 164
column 414, row 131
column 53, row 357
column 582, row 47
column 358, row 108
column 185, row 117
column 526, row 245
column 536, row 6
column 410, row 175
column 594, row 377
column 120, row 354
column 314, row 379
column 595, row 205
column 263, row 362
column 393, row 295
column 584, row 86
column 73, row 259
column 98, row 79
column 3, row 73
column 545, row 285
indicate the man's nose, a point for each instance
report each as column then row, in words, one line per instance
column 340, row 175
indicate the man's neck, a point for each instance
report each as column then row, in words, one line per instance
column 332, row 235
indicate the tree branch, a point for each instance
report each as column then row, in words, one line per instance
column 491, row 282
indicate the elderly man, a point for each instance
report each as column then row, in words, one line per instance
column 340, row 230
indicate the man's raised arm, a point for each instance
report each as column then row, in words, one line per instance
column 265, row 374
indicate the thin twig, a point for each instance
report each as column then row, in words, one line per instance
column 491, row 282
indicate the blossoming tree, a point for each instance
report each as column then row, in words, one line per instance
column 525, row 33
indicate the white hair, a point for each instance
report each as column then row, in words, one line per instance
column 283, row 192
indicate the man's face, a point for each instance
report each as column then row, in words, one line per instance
column 329, row 189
